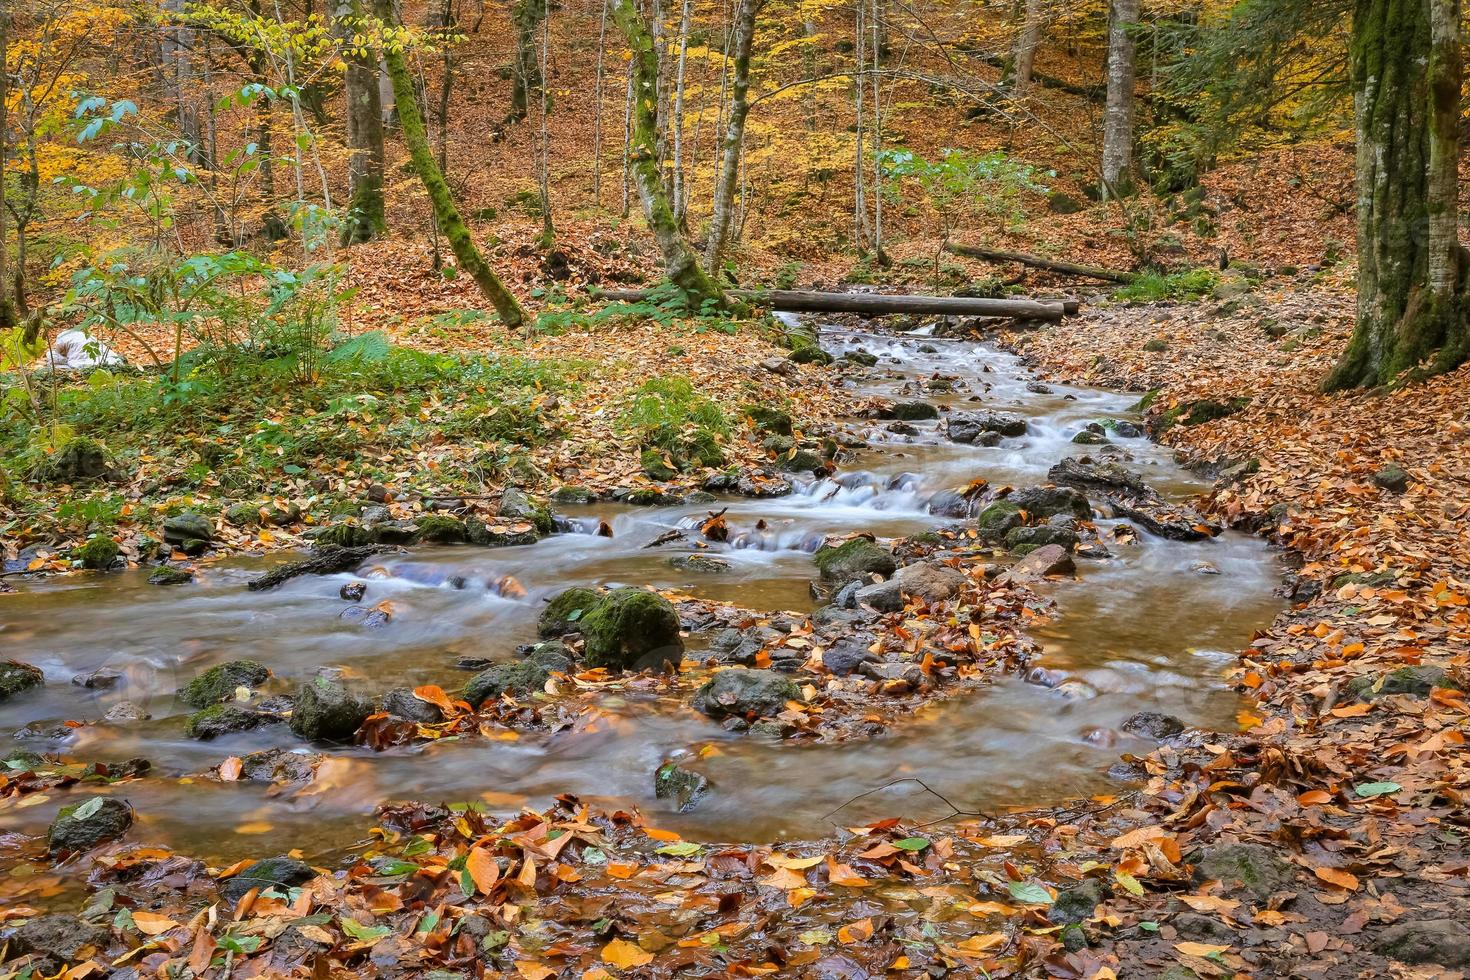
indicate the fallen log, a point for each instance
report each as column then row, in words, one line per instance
column 881, row 304
column 326, row 560
column 1037, row 262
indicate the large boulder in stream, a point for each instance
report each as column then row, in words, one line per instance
column 931, row 581
column 629, row 626
column 82, row 826
column 517, row 505
column 563, row 614
column 17, row 677
column 742, row 693
column 856, row 558
column 219, row 683
column 1105, row 476
column 326, row 711
column 970, row 427
column 229, row 718
column 1041, row 503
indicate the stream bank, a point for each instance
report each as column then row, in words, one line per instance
column 1114, row 647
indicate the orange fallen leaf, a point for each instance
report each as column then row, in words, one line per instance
column 625, row 955
column 856, row 932
column 229, row 770
column 151, row 923
column 1199, row 949
column 1352, row 710
column 1337, row 877
column 1314, row 797
column 484, row 872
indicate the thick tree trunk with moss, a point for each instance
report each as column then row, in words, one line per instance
column 1412, row 291
column 446, row 215
column 680, row 263
column 365, row 218
column 526, row 17
column 721, row 219
column 1117, row 153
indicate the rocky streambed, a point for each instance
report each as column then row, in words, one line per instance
column 991, row 584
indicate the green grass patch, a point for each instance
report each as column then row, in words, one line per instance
column 1152, row 287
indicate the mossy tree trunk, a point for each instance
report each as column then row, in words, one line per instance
column 366, row 218
column 526, row 17
column 446, row 215
column 723, row 216
column 1412, row 271
column 680, row 263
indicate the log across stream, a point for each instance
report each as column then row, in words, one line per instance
column 1149, row 628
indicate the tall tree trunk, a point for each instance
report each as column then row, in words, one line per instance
column 543, row 147
column 720, row 221
column 446, row 215
column 1024, row 53
column 366, row 218
column 8, row 317
column 680, row 264
column 628, row 141
column 597, row 99
column 1117, row 154
column 526, row 17
column 1412, row 290
column 678, row 122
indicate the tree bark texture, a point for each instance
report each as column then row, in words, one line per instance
column 1117, row 154
column 1412, row 302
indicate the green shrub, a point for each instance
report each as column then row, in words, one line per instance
column 668, row 415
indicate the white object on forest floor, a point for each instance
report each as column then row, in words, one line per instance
column 73, row 350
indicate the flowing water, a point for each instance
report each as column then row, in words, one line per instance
column 1140, row 630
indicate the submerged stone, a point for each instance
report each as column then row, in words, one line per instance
column 673, row 782
column 518, row 677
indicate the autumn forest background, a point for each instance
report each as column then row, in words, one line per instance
column 822, row 488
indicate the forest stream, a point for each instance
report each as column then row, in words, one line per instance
column 1150, row 628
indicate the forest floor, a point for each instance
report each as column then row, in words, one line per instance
column 1324, row 839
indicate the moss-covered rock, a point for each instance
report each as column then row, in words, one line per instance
column 228, row 718
column 77, row 461
column 764, row 418
column 1393, row 478
column 1089, row 438
column 181, row 529
column 440, row 529
column 1416, row 681
column 564, row 613
column 169, row 575
column 861, row 357
column 519, row 677
column 1156, row 346
column 344, row 535
column 16, row 677
column 1250, row 867
column 743, row 693
column 655, row 466
column 326, row 711
column 628, row 625
column 573, row 495
column 1201, row 411
column 1076, row 904
column 852, row 559
column 500, row 536
column 99, row 553
column 279, row 873
column 1042, row 503
column 998, row 520
column 517, row 505
column 56, row 940
column 83, row 825
column 1028, row 539
column 219, row 683
column 810, row 354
